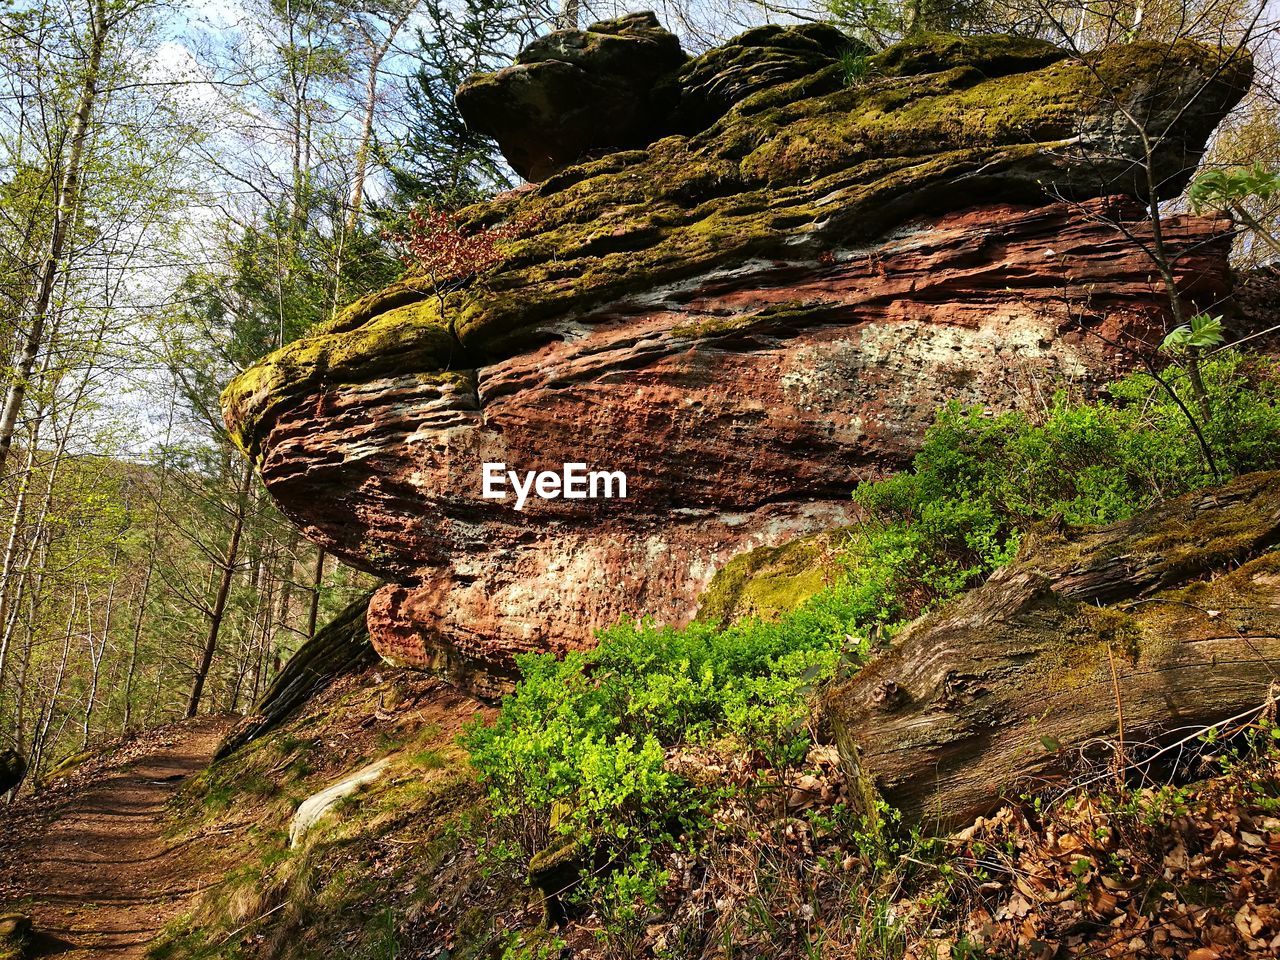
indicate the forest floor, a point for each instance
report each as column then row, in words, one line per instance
column 90, row 858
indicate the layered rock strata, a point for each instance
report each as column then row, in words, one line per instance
column 745, row 319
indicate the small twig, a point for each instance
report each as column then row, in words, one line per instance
column 250, row 923
column 1115, row 686
column 1252, row 336
column 1265, row 707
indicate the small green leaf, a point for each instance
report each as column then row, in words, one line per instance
column 1176, row 338
column 1202, row 332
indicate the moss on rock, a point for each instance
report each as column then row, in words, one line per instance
column 15, row 936
column 770, row 581
column 993, row 55
column 789, row 171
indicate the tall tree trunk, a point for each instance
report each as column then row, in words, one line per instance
column 40, row 740
column 366, row 138
column 97, row 653
column 376, row 54
column 16, row 576
column 33, row 582
column 317, row 578
column 286, row 594
column 10, row 578
column 20, row 694
column 64, row 215
column 10, row 581
column 265, row 636
column 228, row 566
column 250, row 636
column 136, row 638
column 569, row 16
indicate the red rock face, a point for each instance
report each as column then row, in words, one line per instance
column 742, row 406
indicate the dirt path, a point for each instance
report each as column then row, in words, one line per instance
column 102, row 877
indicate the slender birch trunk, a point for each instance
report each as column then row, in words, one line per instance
column 64, row 216
column 317, row 579
column 216, row 615
column 136, row 638
column 377, row 52
column 40, row 740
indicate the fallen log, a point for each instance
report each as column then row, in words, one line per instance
column 339, row 647
column 1142, row 632
column 13, row 767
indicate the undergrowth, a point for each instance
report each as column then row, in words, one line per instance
column 580, row 757
column 388, row 872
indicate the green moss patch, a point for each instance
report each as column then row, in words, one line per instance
column 770, row 581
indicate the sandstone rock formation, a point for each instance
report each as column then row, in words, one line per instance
column 746, row 320
column 1148, row 631
column 576, row 91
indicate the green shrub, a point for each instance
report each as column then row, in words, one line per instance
column 588, row 734
column 980, row 480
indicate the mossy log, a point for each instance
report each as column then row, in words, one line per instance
column 340, row 647
column 13, row 767
column 1137, row 634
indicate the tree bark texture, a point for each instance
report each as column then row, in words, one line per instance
column 340, row 647
column 228, row 567
column 1142, row 632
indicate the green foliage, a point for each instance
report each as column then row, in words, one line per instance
column 1202, row 332
column 881, row 22
column 589, row 732
column 547, row 948
column 855, row 66
column 979, row 480
column 1244, row 192
column 1222, row 189
column 442, row 162
column 588, row 736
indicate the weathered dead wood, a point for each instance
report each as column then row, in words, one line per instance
column 999, row 691
column 341, row 646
